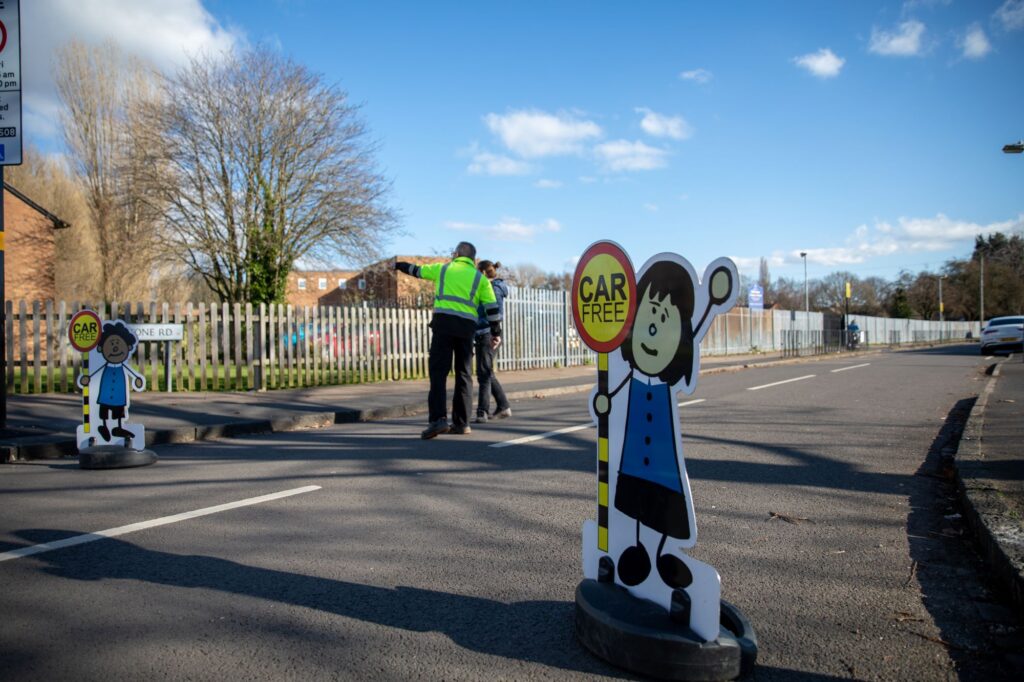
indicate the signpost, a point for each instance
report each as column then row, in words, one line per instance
column 755, row 301
column 10, row 152
column 165, row 333
column 604, row 303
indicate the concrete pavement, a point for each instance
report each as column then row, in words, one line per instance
column 990, row 474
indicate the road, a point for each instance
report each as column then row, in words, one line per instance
column 360, row 552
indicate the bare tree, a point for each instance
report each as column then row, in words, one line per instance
column 256, row 162
column 764, row 278
column 100, row 90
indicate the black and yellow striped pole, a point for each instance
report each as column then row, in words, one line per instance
column 604, row 304
column 84, row 334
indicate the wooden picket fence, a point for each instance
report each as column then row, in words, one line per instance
column 232, row 347
column 241, row 346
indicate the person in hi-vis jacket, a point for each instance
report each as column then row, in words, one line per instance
column 115, row 378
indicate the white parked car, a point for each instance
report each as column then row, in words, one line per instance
column 1003, row 333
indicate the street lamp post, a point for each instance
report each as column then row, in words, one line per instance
column 942, row 309
column 807, row 303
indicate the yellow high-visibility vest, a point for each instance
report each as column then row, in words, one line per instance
column 459, row 288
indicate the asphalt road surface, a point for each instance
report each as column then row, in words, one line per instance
column 362, row 552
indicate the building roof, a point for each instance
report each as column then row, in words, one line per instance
column 58, row 224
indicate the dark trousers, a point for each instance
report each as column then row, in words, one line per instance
column 488, row 383
column 443, row 347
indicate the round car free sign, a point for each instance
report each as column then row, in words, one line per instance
column 604, row 296
column 84, row 331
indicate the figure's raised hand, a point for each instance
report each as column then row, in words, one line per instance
column 138, row 383
column 84, row 379
column 601, row 404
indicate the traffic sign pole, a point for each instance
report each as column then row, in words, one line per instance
column 604, row 303
column 10, row 153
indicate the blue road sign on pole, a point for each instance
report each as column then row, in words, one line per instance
column 755, row 298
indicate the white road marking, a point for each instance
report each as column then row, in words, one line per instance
column 153, row 523
column 843, row 369
column 568, row 429
column 779, row 383
column 541, row 436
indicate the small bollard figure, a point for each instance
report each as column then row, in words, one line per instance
column 106, row 438
column 648, row 338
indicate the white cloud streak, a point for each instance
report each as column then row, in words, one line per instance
column 660, row 125
column 508, row 229
column 485, row 163
column 534, row 134
column 699, row 76
column 1010, row 15
column 906, row 41
column 824, row 63
column 623, row 155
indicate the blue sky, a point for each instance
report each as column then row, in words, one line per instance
column 867, row 134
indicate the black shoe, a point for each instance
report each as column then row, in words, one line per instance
column 104, row 431
column 460, row 429
column 634, row 565
column 673, row 571
column 503, row 413
column 122, row 432
column 481, row 418
column 435, row 429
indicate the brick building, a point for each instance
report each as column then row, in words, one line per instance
column 29, row 248
column 377, row 284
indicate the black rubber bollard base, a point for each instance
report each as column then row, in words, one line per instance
column 114, row 457
column 641, row 637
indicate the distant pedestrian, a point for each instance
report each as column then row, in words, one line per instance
column 486, row 347
column 459, row 291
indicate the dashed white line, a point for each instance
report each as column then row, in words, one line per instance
column 843, row 369
column 142, row 525
column 568, row 429
column 779, row 383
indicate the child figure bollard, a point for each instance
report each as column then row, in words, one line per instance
column 106, row 439
column 644, row 604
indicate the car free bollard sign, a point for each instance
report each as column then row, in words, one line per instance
column 647, row 330
column 106, row 439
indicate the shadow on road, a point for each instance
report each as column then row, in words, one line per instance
column 533, row 631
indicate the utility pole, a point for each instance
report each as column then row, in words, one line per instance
column 981, row 316
column 807, row 304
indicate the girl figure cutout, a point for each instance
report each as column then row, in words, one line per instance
column 659, row 358
column 111, row 380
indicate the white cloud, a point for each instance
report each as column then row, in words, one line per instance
column 660, row 125
column 163, row 33
column 824, row 63
column 533, row 134
column 653, row 208
column 904, row 42
column 623, row 155
column 509, row 229
column 1011, row 15
column 906, row 236
column 485, row 163
column 975, row 43
column 544, row 183
column 700, row 76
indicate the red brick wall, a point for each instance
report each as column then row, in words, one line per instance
column 28, row 252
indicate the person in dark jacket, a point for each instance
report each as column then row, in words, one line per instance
column 460, row 291
column 485, row 349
